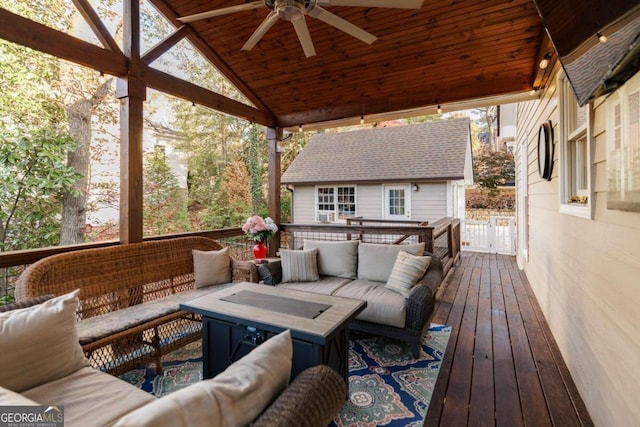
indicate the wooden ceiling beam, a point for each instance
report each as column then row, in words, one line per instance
column 16, row 29
column 164, row 45
column 96, row 25
column 383, row 105
column 193, row 93
column 213, row 57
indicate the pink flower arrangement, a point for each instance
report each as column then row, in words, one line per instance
column 259, row 229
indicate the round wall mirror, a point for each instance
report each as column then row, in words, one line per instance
column 545, row 150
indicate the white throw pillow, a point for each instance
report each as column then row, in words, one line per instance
column 375, row 261
column 338, row 259
column 234, row 397
column 211, row 267
column 40, row 344
column 406, row 272
column 299, row 266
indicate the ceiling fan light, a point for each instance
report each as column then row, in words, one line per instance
column 289, row 10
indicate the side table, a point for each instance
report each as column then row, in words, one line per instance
column 270, row 273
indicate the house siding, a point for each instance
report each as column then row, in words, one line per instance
column 585, row 273
column 428, row 203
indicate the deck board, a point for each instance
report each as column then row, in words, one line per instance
column 502, row 366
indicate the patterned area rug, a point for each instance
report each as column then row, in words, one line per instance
column 387, row 386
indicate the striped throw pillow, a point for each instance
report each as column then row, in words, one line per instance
column 299, row 266
column 407, row 270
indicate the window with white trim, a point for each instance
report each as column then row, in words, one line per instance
column 335, row 203
column 623, row 146
column 575, row 153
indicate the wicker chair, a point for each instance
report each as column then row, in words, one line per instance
column 312, row 399
column 129, row 297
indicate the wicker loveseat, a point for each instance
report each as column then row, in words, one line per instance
column 254, row 390
column 129, row 297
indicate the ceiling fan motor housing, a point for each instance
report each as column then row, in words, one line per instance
column 289, row 10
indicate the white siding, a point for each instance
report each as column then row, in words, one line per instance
column 586, row 276
column 304, row 209
column 429, row 202
column 369, row 201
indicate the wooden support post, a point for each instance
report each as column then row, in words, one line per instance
column 274, row 137
column 132, row 93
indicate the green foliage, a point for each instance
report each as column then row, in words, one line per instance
column 492, row 169
column 33, row 177
column 255, row 166
column 165, row 209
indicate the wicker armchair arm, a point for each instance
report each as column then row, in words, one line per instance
column 25, row 303
column 314, row 398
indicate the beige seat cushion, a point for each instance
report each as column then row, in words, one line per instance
column 325, row 285
column 384, row 306
column 235, row 397
column 299, row 266
column 211, row 267
column 11, row 398
column 375, row 261
column 339, row 259
column 40, row 343
column 406, row 272
column 91, row 397
column 97, row 327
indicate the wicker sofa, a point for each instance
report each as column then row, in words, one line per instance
column 253, row 390
column 129, row 297
column 359, row 270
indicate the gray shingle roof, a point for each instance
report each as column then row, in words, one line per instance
column 422, row 152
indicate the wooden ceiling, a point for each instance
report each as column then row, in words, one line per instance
column 447, row 51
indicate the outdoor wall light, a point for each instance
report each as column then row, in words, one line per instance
column 439, row 109
column 361, row 120
column 415, row 187
column 602, row 38
column 544, row 62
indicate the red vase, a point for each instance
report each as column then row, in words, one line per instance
column 260, row 250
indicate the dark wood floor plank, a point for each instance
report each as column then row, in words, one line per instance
column 508, row 411
column 557, row 388
column 530, row 381
column 456, row 286
column 532, row 402
column 456, row 409
column 482, row 406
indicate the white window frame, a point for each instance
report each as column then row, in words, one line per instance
column 523, row 202
column 623, row 143
column 334, row 213
column 572, row 159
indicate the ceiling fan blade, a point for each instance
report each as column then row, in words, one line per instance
column 262, row 29
column 302, row 31
column 341, row 24
column 223, row 11
column 392, row 4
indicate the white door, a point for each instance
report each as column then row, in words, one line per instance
column 397, row 202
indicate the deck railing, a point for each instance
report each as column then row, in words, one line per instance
column 13, row 263
column 441, row 237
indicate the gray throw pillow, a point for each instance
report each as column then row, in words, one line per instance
column 375, row 261
column 299, row 266
column 338, row 259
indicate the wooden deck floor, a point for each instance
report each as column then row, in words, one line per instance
column 502, row 366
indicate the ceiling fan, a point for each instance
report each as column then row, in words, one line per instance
column 295, row 11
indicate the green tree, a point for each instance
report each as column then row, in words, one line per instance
column 164, row 207
column 492, row 169
column 33, row 177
